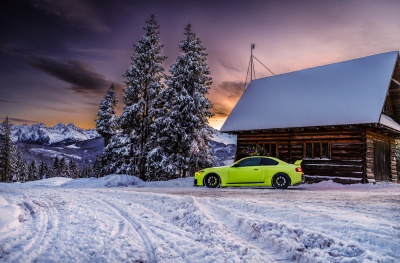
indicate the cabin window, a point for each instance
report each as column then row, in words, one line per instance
column 317, row 150
column 325, row 150
column 246, row 150
column 268, row 149
column 309, row 150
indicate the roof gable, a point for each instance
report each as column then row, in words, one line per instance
column 349, row 92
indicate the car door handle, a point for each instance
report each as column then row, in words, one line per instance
column 256, row 169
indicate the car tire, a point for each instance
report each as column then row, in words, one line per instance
column 281, row 181
column 212, row 181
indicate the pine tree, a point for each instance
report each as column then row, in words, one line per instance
column 85, row 171
column 43, row 171
column 96, row 172
column 181, row 128
column 74, row 170
column 64, row 170
column 143, row 82
column 32, row 171
column 106, row 124
column 7, row 149
column 18, row 166
column 24, row 171
column 162, row 160
column 56, row 169
column 199, row 77
column 116, row 157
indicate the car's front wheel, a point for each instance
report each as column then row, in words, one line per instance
column 280, row 181
column 212, row 181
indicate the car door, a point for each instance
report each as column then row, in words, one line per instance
column 269, row 168
column 246, row 171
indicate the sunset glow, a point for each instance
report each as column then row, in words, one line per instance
column 59, row 57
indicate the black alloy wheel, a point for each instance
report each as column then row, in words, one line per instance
column 281, row 181
column 212, row 181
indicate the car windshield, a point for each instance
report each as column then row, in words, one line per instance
column 249, row 162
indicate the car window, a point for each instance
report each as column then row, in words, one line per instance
column 268, row 161
column 249, row 162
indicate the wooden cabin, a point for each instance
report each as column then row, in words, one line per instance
column 342, row 119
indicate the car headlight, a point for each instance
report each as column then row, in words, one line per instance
column 199, row 173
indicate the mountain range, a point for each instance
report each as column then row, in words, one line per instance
column 57, row 134
column 44, row 143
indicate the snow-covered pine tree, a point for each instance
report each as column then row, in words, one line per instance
column 43, row 171
column 64, row 168
column 18, row 174
column 143, row 82
column 32, row 171
column 182, row 129
column 85, row 171
column 96, row 172
column 24, row 171
column 116, row 156
column 106, row 124
column 56, row 169
column 74, row 170
column 199, row 77
column 162, row 160
column 7, row 150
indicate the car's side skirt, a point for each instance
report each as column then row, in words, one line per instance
column 248, row 183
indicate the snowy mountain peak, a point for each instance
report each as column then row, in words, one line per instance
column 59, row 133
column 222, row 137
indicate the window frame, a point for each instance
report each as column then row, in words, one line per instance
column 262, row 145
column 321, row 150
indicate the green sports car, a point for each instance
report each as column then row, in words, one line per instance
column 252, row 171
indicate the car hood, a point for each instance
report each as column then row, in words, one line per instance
column 214, row 168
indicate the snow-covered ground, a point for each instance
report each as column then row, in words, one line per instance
column 93, row 220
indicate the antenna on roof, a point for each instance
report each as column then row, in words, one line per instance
column 251, row 66
column 252, row 71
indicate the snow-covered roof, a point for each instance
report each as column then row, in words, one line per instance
column 389, row 122
column 349, row 92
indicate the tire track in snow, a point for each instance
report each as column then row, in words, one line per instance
column 136, row 225
column 163, row 233
column 34, row 244
column 218, row 215
column 296, row 243
column 201, row 229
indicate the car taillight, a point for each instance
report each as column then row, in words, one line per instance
column 299, row 170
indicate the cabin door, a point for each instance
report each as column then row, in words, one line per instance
column 382, row 161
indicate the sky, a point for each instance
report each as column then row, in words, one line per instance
column 57, row 58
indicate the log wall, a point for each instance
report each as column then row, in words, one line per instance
column 346, row 148
column 351, row 151
column 371, row 169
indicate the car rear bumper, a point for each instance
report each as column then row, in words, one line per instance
column 303, row 180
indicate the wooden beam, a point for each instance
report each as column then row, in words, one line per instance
column 395, row 81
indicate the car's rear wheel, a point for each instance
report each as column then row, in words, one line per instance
column 212, row 181
column 280, row 181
